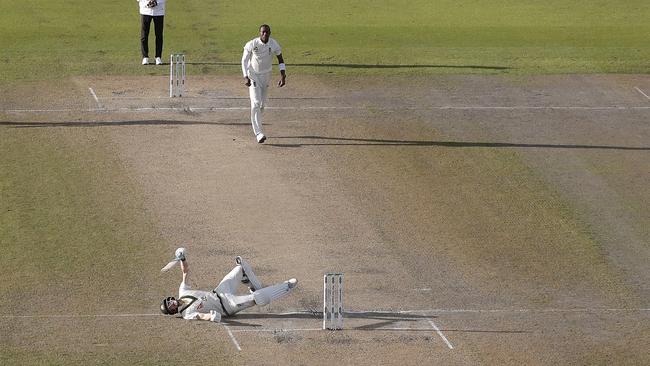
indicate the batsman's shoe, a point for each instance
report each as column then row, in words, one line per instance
column 249, row 275
column 260, row 138
column 271, row 293
column 145, row 61
column 159, row 61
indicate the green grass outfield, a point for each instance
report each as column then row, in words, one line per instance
column 63, row 197
column 45, row 40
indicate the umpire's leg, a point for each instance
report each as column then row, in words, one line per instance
column 159, row 23
column 144, row 34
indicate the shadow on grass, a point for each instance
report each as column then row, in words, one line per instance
column 324, row 140
column 344, row 141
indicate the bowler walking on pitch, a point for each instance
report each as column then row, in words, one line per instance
column 256, row 65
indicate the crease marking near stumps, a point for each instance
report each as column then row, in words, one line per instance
column 64, row 316
column 353, row 312
column 641, row 91
column 273, row 330
column 232, row 338
column 435, row 327
column 307, row 108
column 92, row 92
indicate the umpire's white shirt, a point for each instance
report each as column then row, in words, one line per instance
column 205, row 301
column 261, row 55
column 157, row 10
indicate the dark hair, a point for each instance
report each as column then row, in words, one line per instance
column 265, row 26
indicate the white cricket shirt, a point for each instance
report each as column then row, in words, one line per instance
column 262, row 54
column 157, row 10
column 205, row 301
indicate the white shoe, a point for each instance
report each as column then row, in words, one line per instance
column 158, row 61
column 145, row 61
column 261, row 138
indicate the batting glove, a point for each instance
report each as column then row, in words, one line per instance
column 180, row 254
column 215, row 316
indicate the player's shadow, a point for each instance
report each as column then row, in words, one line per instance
column 385, row 318
column 371, row 66
column 346, row 141
column 379, row 321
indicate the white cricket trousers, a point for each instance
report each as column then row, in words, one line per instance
column 227, row 290
column 259, row 91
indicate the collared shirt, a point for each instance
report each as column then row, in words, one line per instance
column 261, row 54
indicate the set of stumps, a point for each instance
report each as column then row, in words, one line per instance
column 333, row 301
column 177, row 75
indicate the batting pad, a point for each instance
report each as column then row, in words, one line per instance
column 271, row 293
column 248, row 272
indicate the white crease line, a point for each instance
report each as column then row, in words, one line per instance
column 95, row 96
column 512, row 108
column 269, row 330
column 278, row 330
column 154, row 109
column 317, row 314
column 440, row 334
column 220, row 98
column 583, row 310
column 232, row 337
column 78, row 316
column 641, row 91
column 210, row 109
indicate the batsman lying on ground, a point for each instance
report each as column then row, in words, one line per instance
column 223, row 300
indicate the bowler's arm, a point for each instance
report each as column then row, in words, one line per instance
column 283, row 72
column 245, row 63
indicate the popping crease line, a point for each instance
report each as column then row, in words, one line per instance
column 92, row 92
column 275, row 330
column 209, row 109
column 641, row 91
column 352, row 312
column 435, row 327
column 232, row 338
column 78, row 316
column 221, row 98
column 180, row 109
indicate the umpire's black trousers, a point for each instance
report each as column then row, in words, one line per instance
column 158, row 22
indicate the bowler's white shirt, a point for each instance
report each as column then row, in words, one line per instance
column 206, row 301
column 155, row 11
column 262, row 54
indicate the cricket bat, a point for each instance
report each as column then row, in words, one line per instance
column 169, row 266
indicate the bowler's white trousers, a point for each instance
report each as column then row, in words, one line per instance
column 259, row 91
